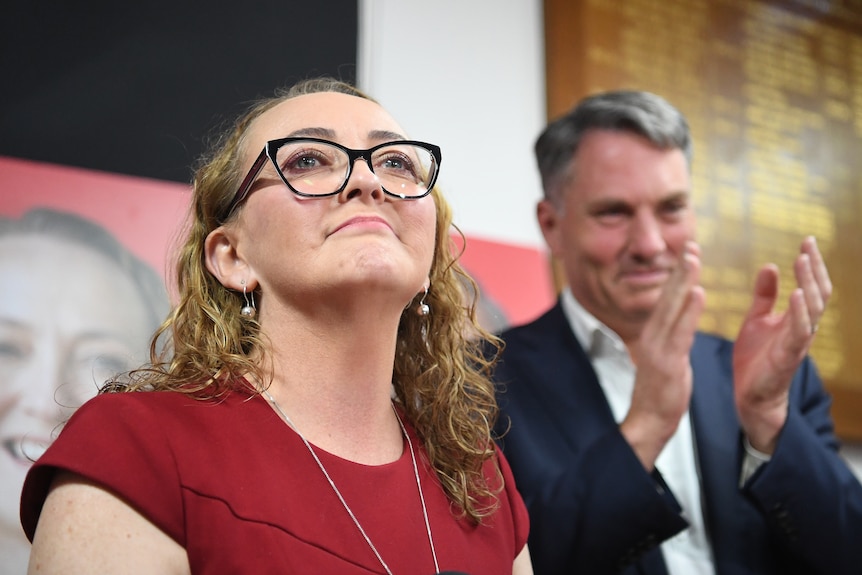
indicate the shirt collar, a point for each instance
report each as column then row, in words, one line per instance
column 594, row 336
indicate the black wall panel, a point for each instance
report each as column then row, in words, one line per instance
column 135, row 87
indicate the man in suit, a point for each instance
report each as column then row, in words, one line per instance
column 640, row 445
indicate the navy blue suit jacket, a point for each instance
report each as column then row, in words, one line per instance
column 594, row 509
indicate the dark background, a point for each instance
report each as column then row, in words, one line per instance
column 137, row 87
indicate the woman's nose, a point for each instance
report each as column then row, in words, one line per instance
column 363, row 182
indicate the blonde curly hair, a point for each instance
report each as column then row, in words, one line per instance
column 442, row 365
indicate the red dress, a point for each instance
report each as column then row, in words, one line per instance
column 236, row 487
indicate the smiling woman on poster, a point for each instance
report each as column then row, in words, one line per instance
column 76, row 307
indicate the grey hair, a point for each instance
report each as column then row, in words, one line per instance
column 636, row 112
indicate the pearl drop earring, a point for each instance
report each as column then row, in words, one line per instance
column 248, row 310
column 423, row 309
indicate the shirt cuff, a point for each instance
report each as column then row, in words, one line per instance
column 751, row 462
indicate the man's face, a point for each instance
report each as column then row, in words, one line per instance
column 620, row 226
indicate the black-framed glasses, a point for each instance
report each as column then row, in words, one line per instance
column 315, row 168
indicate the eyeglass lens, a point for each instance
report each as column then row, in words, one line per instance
column 317, row 168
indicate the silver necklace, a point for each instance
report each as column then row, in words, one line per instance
column 347, row 508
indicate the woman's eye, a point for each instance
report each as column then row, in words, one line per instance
column 397, row 164
column 110, row 365
column 12, row 349
column 88, row 373
column 304, row 161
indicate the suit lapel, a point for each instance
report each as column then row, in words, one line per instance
column 565, row 364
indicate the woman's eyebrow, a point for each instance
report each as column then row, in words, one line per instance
column 329, row 134
column 385, row 135
column 313, row 132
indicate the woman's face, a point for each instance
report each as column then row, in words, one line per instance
column 360, row 243
column 69, row 320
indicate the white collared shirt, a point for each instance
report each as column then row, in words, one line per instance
column 688, row 552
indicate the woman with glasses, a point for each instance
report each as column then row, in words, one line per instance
column 321, row 410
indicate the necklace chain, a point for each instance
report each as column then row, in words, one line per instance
column 284, row 416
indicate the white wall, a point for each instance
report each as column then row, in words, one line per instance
column 467, row 75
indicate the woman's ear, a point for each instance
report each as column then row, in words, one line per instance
column 223, row 261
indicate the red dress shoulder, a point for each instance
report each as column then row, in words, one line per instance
column 237, row 488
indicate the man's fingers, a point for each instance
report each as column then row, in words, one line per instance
column 690, row 317
column 818, row 267
column 675, row 297
column 765, row 292
column 800, row 325
column 813, row 279
column 811, row 305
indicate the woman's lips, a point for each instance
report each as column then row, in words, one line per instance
column 367, row 222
